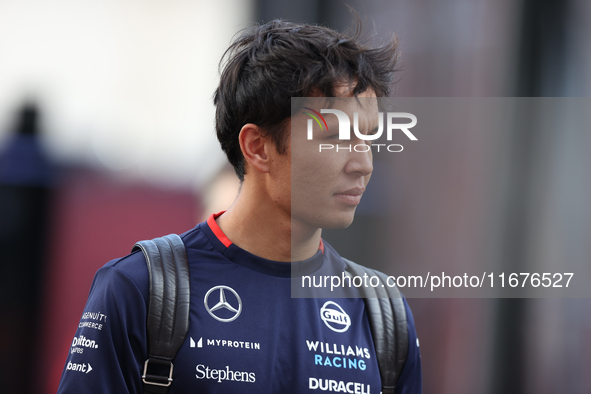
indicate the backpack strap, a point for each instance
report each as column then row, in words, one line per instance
column 168, row 308
column 387, row 321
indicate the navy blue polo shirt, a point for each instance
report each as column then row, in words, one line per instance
column 246, row 333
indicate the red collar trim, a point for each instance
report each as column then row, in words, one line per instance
column 217, row 231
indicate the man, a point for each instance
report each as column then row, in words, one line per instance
column 246, row 333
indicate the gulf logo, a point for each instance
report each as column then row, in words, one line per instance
column 335, row 317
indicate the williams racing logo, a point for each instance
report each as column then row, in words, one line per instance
column 335, row 317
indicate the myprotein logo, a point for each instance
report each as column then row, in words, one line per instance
column 344, row 132
column 335, row 317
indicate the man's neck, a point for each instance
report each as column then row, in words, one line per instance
column 266, row 230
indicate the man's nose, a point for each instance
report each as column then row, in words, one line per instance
column 360, row 160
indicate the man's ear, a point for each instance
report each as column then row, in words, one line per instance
column 254, row 147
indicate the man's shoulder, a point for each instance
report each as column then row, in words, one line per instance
column 121, row 274
column 132, row 267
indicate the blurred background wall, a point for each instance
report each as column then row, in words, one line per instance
column 106, row 113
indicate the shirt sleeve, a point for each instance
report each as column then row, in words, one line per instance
column 411, row 378
column 109, row 349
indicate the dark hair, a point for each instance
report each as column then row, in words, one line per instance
column 268, row 64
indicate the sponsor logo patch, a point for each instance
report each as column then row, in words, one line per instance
column 338, row 386
column 223, row 343
column 80, row 342
column 228, row 306
column 204, row 372
column 338, row 356
column 84, row 367
column 335, row 317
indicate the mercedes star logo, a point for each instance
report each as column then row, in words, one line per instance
column 225, row 311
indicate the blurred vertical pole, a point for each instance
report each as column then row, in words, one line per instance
column 540, row 72
column 25, row 178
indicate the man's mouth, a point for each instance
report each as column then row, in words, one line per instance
column 351, row 196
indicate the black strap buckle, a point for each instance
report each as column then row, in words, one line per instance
column 157, row 380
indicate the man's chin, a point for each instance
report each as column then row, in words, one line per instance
column 338, row 222
column 328, row 219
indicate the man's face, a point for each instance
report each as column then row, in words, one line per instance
column 327, row 184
